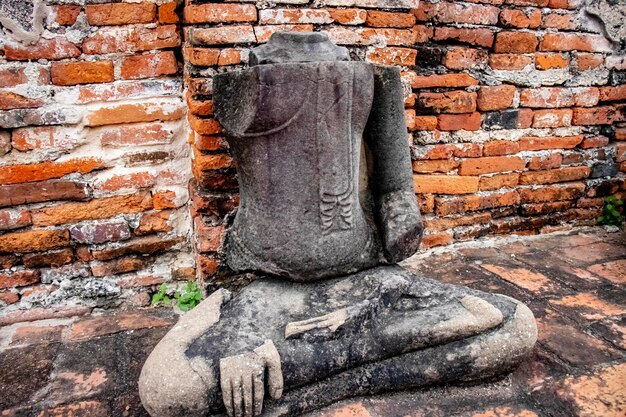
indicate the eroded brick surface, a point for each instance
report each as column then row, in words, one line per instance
column 89, row 366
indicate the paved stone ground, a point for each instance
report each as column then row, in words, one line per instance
column 575, row 284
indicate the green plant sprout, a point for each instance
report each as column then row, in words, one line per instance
column 189, row 297
column 611, row 215
column 186, row 298
column 161, row 296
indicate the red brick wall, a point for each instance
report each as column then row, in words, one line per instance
column 94, row 160
column 514, row 107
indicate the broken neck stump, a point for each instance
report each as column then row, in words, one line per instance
column 327, row 209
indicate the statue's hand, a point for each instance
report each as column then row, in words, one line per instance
column 242, row 379
column 400, row 224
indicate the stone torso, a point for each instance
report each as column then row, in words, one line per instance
column 297, row 143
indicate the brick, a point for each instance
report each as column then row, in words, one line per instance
column 263, row 33
column 495, row 97
column 498, row 181
column 445, row 80
column 14, row 218
column 148, row 66
column 66, row 14
column 204, row 126
column 546, row 61
column 120, row 266
column 120, row 13
column 294, row 16
column 617, row 93
column 208, row 238
column 425, row 122
column 444, row 184
column 538, row 3
column 524, row 278
column 348, row 16
column 586, row 61
column 593, row 116
column 474, row 36
column 469, row 121
column 620, row 133
column 133, row 113
column 596, row 394
column 73, row 73
column 431, row 240
column 94, row 326
column 392, row 56
column 563, row 4
column 613, row 271
column 34, row 241
column 552, row 193
column 210, row 143
column 447, row 151
column 460, row 58
column 552, row 118
column 500, row 147
column 594, row 142
column 164, row 199
column 42, row 313
column 99, row 232
column 450, row 12
column 12, row 77
column 521, row 18
column 199, row 107
column 427, row 167
column 167, row 13
column 13, row 174
column 509, row 62
column 382, row 19
column 219, row 13
column 29, row 335
column 55, row 138
column 449, row 102
column 9, row 100
column 373, row 36
column 554, row 175
column 575, row 42
column 443, row 223
column 462, row 204
column 547, row 97
column 486, row 165
column 92, row 210
column 131, row 39
column 516, row 42
column 223, row 35
column 129, row 90
column 203, row 57
column 29, row 193
column 560, row 21
column 207, row 266
column 18, row 279
column 154, row 222
column 229, row 56
column 550, row 142
column 136, row 135
column 54, row 258
column 144, row 245
column 9, row 297
column 52, row 49
column 545, row 208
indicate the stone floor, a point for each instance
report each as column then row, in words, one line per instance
column 575, row 284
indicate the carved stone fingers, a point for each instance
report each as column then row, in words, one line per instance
column 242, row 380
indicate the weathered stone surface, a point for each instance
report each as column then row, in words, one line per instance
column 303, row 218
column 377, row 330
column 326, row 192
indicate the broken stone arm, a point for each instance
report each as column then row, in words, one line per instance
column 390, row 173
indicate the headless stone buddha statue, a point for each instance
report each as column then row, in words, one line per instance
column 327, row 210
